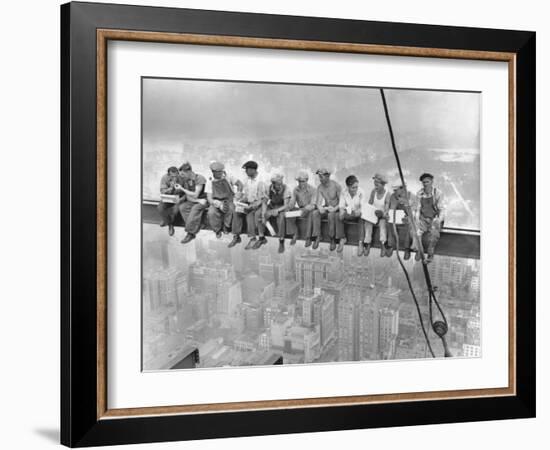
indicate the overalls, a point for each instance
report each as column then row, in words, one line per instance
column 222, row 191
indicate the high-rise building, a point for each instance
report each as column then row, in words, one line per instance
column 388, row 330
column 318, row 310
column 229, row 296
column 313, row 270
column 272, row 271
column 161, row 287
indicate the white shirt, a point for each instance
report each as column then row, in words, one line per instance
column 350, row 203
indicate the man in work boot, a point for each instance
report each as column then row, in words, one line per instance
column 328, row 199
column 274, row 205
column 250, row 200
column 429, row 214
column 377, row 198
column 397, row 201
column 303, row 200
column 192, row 208
column 170, row 184
column 220, row 191
column 350, row 210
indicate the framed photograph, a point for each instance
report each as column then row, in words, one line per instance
column 277, row 224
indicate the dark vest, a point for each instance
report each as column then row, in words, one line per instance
column 277, row 198
column 221, row 189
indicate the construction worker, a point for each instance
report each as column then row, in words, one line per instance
column 328, row 199
column 220, row 191
column 377, row 198
column 429, row 214
column 192, row 208
column 303, row 200
column 170, row 184
column 350, row 210
column 274, row 205
column 253, row 194
column 398, row 201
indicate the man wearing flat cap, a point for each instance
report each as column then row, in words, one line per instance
column 170, row 184
column 253, row 194
column 220, row 191
column 429, row 214
column 274, row 205
column 194, row 205
column 377, row 198
column 327, row 202
column 303, row 199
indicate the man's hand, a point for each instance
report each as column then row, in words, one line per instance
column 322, row 209
column 309, row 207
column 379, row 213
column 331, row 209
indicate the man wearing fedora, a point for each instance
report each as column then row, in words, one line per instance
column 253, row 194
column 303, row 199
column 220, row 191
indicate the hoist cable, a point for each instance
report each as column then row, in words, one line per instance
column 439, row 327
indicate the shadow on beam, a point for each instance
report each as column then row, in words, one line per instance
column 453, row 242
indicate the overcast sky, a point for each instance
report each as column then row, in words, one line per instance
column 210, row 109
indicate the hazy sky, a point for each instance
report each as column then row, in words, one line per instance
column 210, row 109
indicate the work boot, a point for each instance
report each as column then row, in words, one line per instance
column 382, row 249
column 316, row 243
column 360, row 249
column 260, row 242
column 407, row 254
column 295, row 238
column 389, row 252
column 235, row 241
column 218, row 234
column 341, row 245
column 171, row 230
column 367, row 249
column 188, row 238
column 332, row 244
column 308, row 242
column 281, row 246
column 251, row 243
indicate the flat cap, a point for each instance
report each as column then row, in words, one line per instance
column 250, row 165
column 277, row 177
column 322, row 171
column 216, row 166
column 381, row 178
column 302, row 176
column 426, row 175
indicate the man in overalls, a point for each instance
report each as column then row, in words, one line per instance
column 275, row 205
column 429, row 214
column 303, row 200
column 220, row 192
column 170, row 184
column 195, row 201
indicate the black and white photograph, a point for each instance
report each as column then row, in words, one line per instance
column 308, row 224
